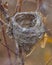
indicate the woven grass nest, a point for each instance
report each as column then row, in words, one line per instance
column 27, row 29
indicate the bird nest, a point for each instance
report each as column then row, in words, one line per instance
column 26, row 28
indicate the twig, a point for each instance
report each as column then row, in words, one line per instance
column 9, row 56
column 8, row 48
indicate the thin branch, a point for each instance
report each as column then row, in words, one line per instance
column 8, row 48
column 9, row 56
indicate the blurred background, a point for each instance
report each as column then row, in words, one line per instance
column 39, row 56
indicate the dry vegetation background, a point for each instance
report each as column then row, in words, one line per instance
column 39, row 56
